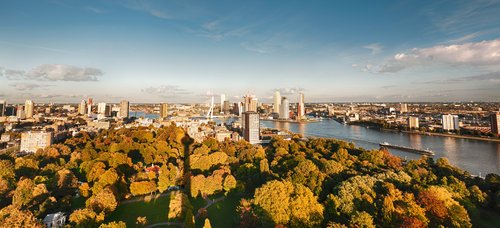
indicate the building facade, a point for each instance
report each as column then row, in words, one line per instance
column 82, row 108
column 495, row 123
column 163, row 110
column 301, row 109
column 284, row 109
column 413, row 122
column 29, row 108
column 32, row 141
column 450, row 122
column 277, row 102
column 124, row 109
column 251, row 127
column 3, row 105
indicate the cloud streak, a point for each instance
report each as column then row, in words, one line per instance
column 54, row 72
column 27, row 86
column 165, row 91
column 489, row 77
column 484, row 53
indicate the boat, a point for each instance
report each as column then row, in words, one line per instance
column 408, row 149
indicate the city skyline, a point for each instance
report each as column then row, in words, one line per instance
column 183, row 52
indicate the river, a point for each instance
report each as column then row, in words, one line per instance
column 477, row 157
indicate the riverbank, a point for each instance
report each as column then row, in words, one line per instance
column 293, row 121
column 443, row 135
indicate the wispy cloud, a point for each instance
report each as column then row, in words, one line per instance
column 288, row 91
column 28, row 86
column 375, row 48
column 484, row 53
column 54, row 72
column 35, row 47
column 493, row 77
column 471, row 15
column 166, row 91
column 94, row 10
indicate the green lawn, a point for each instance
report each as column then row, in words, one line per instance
column 77, row 203
column 155, row 211
column 487, row 218
column 223, row 213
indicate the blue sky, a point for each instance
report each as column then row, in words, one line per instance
column 182, row 51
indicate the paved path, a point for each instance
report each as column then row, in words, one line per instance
column 210, row 203
column 179, row 224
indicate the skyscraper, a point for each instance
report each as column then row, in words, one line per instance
column 277, row 102
column 222, row 99
column 250, row 103
column 251, row 127
column 495, row 123
column 284, row 109
column 82, row 108
column 404, row 108
column 163, row 110
column 2, row 107
column 450, row 122
column 90, row 102
column 300, row 107
column 124, row 109
column 29, row 108
column 103, row 110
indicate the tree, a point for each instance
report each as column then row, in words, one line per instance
column 104, row 201
column 142, row 187
column 442, row 208
column 23, row 193
column 83, row 218
column 207, row 223
column 362, row 219
column 118, row 224
column 11, row 216
column 229, row 183
column 178, row 206
column 285, row 202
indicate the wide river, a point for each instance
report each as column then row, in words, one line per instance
column 477, row 157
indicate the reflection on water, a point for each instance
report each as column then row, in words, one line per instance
column 450, row 148
column 472, row 155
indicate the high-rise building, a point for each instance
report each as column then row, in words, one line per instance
column 163, row 110
column 20, row 112
column 32, row 141
column 124, row 109
column 495, row 123
column 284, row 109
column 413, row 122
column 250, row 103
column 301, row 110
column 450, row 122
column 403, row 108
column 82, row 108
column 251, row 127
column 277, row 102
column 90, row 102
column 2, row 107
column 103, row 110
column 225, row 107
column 29, row 107
column 222, row 99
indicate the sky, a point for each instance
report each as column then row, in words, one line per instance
column 187, row 51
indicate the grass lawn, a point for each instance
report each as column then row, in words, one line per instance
column 197, row 203
column 77, row 203
column 155, row 211
column 487, row 218
column 223, row 213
